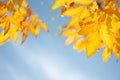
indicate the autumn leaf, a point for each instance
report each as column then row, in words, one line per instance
column 14, row 33
column 79, row 45
column 4, row 38
column 34, row 29
column 24, row 35
column 106, row 54
column 43, row 25
column 3, row 12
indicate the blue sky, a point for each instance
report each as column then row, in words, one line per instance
column 47, row 57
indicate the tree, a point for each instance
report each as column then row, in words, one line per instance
column 93, row 24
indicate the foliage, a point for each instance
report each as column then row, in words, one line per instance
column 93, row 25
column 16, row 16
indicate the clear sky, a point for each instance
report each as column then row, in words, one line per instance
column 47, row 58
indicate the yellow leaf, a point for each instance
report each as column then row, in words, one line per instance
column 24, row 3
column 22, row 11
column 87, row 29
column 83, row 1
column 3, row 12
column 69, row 40
column 106, row 54
column 14, row 33
column 2, row 25
column 43, row 25
column 33, row 18
column 116, row 50
column 2, row 5
column 24, row 35
column 106, row 36
column 68, row 32
column 28, row 11
column 7, row 27
column 73, row 11
column 80, row 11
column 58, row 3
column 14, row 21
column 73, row 22
column 79, row 45
column 10, row 6
column 4, row 38
column 93, row 43
column 34, row 30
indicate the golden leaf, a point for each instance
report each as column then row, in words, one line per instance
column 34, row 29
column 83, row 1
column 10, row 6
column 2, row 5
column 4, row 38
column 22, row 11
column 33, row 18
column 7, row 27
column 93, row 43
column 28, row 11
column 3, row 12
column 73, row 23
column 106, row 54
column 2, row 25
column 116, row 50
column 24, row 3
column 68, row 32
column 79, row 45
column 43, row 25
column 14, row 33
column 75, row 10
column 24, row 35
column 58, row 3
column 69, row 40
column 106, row 36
